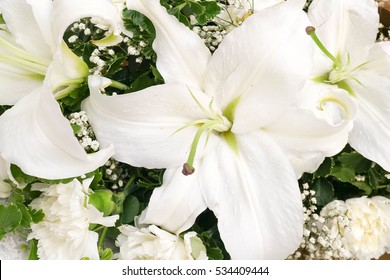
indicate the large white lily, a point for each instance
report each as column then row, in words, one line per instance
column 35, row 63
column 211, row 115
column 348, row 59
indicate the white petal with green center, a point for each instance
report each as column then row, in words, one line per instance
column 181, row 54
column 148, row 128
column 263, row 63
column 177, row 203
column 346, row 27
column 36, row 137
column 371, row 133
column 255, row 196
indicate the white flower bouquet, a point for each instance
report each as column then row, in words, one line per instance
column 194, row 129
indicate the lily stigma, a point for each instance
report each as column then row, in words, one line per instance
column 215, row 122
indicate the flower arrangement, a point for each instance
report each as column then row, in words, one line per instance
column 194, row 129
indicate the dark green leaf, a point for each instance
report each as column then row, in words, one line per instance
column 363, row 186
column 343, row 174
column 324, row 191
column 10, row 218
column 131, row 209
column 354, row 161
column 325, row 168
column 374, row 177
column 196, row 8
column 215, row 254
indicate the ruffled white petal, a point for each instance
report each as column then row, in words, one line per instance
column 371, row 133
column 96, row 217
column 256, row 198
column 177, row 203
column 264, row 63
column 346, row 27
column 90, row 246
column 181, row 55
column 35, row 136
column 316, row 127
column 143, row 126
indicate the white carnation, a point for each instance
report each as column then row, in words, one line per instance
column 361, row 224
column 153, row 243
column 63, row 233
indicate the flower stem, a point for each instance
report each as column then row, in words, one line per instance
column 311, row 31
column 102, row 237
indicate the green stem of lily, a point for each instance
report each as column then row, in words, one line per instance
column 188, row 167
column 311, row 31
column 102, row 237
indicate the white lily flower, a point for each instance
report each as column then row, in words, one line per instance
column 34, row 62
column 241, row 173
column 64, row 233
column 348, row 58
column 238, row 10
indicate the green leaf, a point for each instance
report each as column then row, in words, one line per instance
column 215, row 253
column 363, row 186
column 36, row 215
column 132, row 18
column 324, row 191
column 196, row 8
column 131, row 209
column 17, row 196
column 343, row 174
column 374, row 177
column 20, row 176
column 158, row 79
column 355, row 161
column 26, row 217
column 33, row 254
column 10, row 219
column 107, row 254
column 325, row 168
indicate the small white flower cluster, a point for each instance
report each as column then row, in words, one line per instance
column 84, row 133
column 212, row 35
column 233, row 13
column 117, row 173
column 357, row 228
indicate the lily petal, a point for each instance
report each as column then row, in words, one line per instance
column 258, row 5
column 144, row 126
column 346, row 26
column 263, row 63
column 16, row 83
column 36, row 137
column 379, row 59
column 181, row 54
column 256, row 198
column 34, row 14
column 317, row 127
column 176, row 204
column 371, row 133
